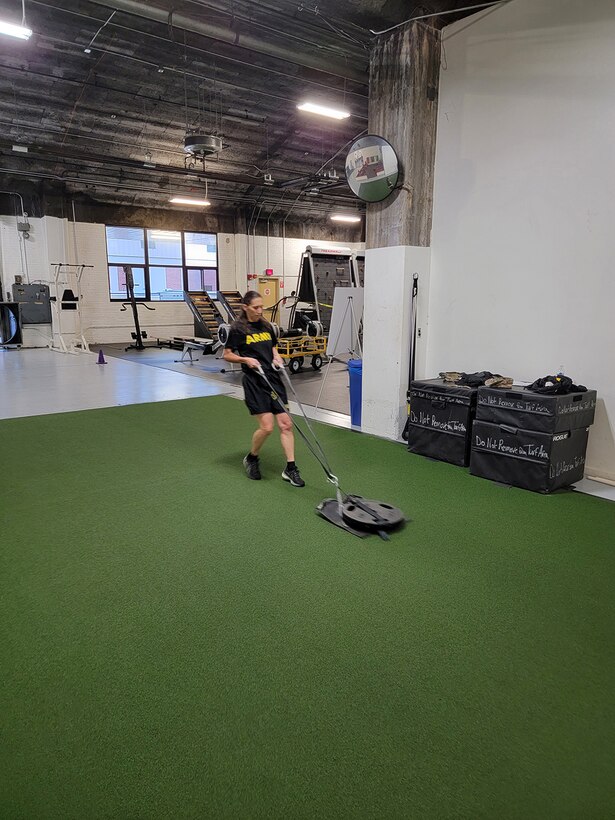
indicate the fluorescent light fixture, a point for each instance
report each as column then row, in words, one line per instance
column 324, row 111
column 345, row 218
column 184, row 200
column 21, row 32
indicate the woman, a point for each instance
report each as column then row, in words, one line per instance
column 251, row 344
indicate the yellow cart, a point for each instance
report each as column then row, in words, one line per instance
column 295, row 349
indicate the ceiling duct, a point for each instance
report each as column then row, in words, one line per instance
column 243, row 39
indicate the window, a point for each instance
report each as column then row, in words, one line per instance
column 164, row 263
column 202, row 279
column 117, row 282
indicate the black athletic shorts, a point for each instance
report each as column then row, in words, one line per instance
column 258, row 396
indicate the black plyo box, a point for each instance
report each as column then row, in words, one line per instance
column 518, row 407
column 441, row 416
column 529, row 459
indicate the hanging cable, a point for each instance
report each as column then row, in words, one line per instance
column 472, row 22
column 440, row 14
column 339, row 151
column 89, row 45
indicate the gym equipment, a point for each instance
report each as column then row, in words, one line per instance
column 206, row 314
column 138, row 335
column 320, row 272
column 231, row 302
column 223, row 333
column 35, row 303
column 188, row 345
column 295, row 344
column 10, row 325
column 294, row 350
column 440, row 420
column 67, row 281
column 275, row 309
column 413, row 329
column 534, row 441
column 353, row 513
column 315, row 328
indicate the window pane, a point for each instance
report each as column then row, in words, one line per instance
column 200, row 279
column 195, row 279
column 166, row 284
column 125, row 245
column 201, row 249
column 117, row 282
column 164, row 248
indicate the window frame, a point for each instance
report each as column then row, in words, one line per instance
column 146, row 265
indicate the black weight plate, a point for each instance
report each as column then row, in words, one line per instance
column 367, row 513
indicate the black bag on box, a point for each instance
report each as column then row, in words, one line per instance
column 518, row 407
column 526, row 458
column 440, row 423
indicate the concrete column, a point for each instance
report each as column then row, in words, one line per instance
column 403, row 107
column 404, row 75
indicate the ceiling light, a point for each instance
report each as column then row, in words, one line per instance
column 21, row 32
column 345, row 218
column 184, row 200
column 324, row 111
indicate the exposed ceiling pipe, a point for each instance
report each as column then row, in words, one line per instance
column 198, row 51
column 216, row 163
column 23, row 255
column 97, row 183
column 14, row 193
column 124, row 163
column 235, row 37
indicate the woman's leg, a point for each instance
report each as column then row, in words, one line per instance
column 265, row 428
column 290, row 473
column 286, row 435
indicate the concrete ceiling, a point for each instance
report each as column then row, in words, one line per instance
column 111, row 123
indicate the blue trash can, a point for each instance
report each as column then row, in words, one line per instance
column 355, row 372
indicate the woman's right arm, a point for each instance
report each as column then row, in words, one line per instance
column 230, row 356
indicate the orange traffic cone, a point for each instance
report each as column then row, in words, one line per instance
column 101, row 357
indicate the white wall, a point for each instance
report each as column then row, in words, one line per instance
column 523, row 242
column 58, row 240
column 387, row 324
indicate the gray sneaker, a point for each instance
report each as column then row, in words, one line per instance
column 252, row 468
column 293, row 475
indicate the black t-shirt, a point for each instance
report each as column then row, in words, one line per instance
column 256, row 342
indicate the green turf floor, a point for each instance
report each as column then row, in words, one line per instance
column 178, row 641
